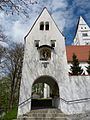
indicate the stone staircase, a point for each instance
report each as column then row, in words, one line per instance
column 53, row 114
column 44, row 114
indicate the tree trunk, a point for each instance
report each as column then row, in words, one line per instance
column 12, row 93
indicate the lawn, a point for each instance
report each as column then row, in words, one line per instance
column 12, row 114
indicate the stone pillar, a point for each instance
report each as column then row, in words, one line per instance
column 45, row 90
column 48, row 91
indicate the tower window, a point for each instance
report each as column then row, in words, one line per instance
column 53, row 43
column 36, row 43
column 47, row 26
column 85, row 34
column 42, row 26
column 86, row 43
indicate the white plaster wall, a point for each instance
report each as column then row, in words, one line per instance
column 33, row 67
column 80, row 40
column 83, row 40
column 80, row 89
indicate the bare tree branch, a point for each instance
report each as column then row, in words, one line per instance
column 18, row 6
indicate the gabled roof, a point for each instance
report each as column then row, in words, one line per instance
column 37, row 20
column 82, row 52
column 80, row 22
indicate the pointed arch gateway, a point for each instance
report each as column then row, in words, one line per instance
column 53, row 100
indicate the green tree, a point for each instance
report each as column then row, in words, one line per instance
column 15, row 57
column 38, row 89
column 5, row 84
column 75, row 67
column 88, row 67
column 12, row 66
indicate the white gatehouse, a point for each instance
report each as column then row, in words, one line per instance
column 45, row 61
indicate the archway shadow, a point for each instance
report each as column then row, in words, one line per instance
column 53, row 100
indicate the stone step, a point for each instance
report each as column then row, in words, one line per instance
column 41, row 118
column 54, row 116
column 44, row 114
column 48, row 118
column 46, row 111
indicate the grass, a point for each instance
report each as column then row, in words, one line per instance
column 12, row 114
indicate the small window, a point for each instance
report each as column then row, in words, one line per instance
column 53, row 43
column 87, row 43
column 85, row 27
column 36, row 43
column 47, row 26
column 42, row 26
column 81, row 27
column 85, row 34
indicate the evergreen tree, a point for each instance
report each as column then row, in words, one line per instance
column 88, row 68
column 75, row 67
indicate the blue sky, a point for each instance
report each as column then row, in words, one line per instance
column 65, row 13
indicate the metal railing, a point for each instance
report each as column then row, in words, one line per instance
column 65, row 101
column 25, row 101
column 75, row 101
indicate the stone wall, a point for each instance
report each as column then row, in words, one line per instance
column 79, row 91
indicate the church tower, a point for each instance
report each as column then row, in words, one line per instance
column 44, row 62
column 82, row 35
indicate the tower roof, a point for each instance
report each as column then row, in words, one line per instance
column 81, row 23
column 44, row 11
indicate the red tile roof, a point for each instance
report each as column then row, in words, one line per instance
column 82, row 52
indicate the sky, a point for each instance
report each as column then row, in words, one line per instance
column 65, row 13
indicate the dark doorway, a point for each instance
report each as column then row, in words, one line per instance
column 38, row 101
